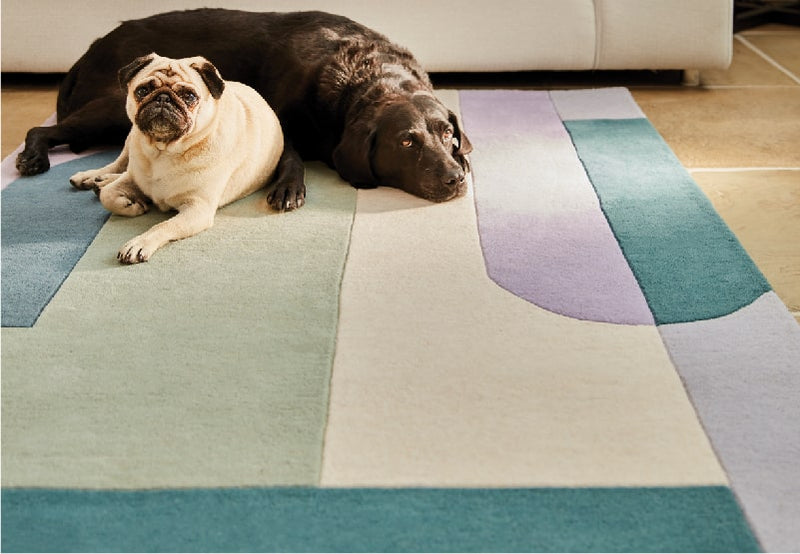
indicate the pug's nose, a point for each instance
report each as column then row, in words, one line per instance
column 163, row 98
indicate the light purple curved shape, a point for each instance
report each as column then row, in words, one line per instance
column 543, row 234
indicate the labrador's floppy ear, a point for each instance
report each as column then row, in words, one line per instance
column 352, row 157
column 127, row 73
column 464, row 145
column 211, row 77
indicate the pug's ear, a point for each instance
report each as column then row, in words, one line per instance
column 352, row 157
column 127, row 73
column 211, row 78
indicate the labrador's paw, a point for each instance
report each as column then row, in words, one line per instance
column 287, row 195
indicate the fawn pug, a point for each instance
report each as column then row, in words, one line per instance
column 197, row 143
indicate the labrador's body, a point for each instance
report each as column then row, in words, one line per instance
column 344, row 94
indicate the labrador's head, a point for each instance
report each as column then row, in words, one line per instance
column 412, row 143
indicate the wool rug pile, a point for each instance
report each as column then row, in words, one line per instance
column 578, row 355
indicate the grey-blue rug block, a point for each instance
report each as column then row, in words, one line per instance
column 42, row 240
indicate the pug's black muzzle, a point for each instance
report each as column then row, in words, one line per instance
column 163, row 117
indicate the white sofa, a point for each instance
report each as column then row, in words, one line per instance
column 445, row 35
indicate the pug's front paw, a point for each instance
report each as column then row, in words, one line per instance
column 92, row 180
column 135, row 251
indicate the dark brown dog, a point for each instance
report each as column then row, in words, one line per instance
column 344, row 94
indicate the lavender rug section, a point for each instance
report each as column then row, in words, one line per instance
column 742, row 372
column 543, row 234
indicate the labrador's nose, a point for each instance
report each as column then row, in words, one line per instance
column 453, row 177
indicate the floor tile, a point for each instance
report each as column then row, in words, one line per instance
column 772, row 28
column 739, row 127
column 747, row 68
column 23, row 109
column 763, row 210
column 784, row 48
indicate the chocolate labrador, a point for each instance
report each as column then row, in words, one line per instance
column 344, row 94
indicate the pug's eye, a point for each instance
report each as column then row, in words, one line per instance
column 406, row 143
column 142, row 91
column 189, row 97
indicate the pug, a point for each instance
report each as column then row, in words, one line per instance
column 197, row 143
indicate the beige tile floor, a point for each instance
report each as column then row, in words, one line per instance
column 738, row 133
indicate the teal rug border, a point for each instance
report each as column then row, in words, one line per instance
column 680, row 519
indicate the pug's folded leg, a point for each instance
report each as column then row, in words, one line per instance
column 193, row 217
column 94, row 179
column 123, row 197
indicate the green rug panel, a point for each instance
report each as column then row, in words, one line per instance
column 697, row 519
column 687, row 261
column 207, row 366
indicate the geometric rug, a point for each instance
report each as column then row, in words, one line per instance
column 578, row 355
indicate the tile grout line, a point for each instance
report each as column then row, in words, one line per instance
column 766, row 57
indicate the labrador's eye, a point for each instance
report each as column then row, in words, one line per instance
column 447, row 136
column 142, row 91
column 406, row 143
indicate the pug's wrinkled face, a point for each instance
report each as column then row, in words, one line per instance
column 168, row 98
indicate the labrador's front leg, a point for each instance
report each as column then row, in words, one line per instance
column 193, row 217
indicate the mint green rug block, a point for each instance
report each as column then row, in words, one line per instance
column 209, row 365
column 692, row 519
column 689, row 264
